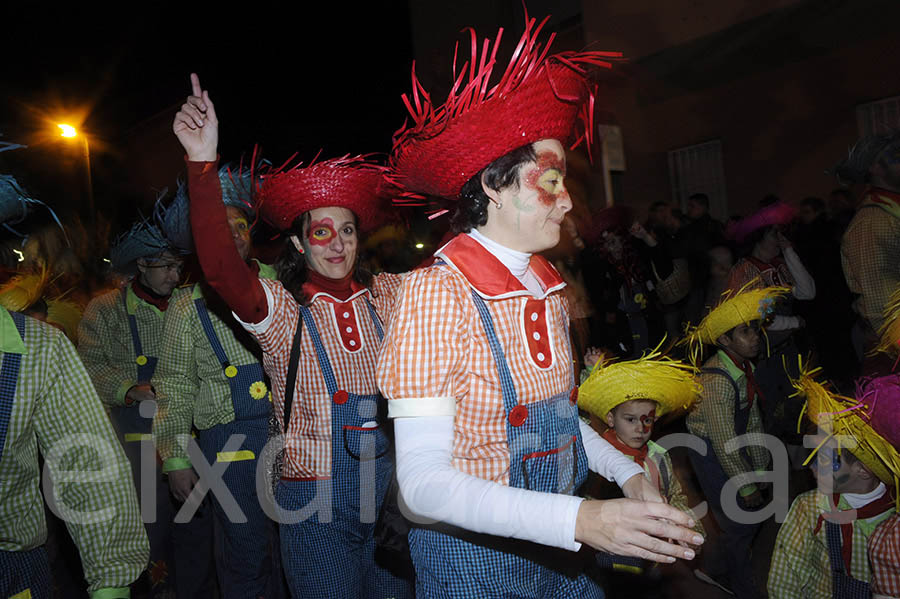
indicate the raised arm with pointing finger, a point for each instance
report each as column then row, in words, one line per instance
column 197, row 128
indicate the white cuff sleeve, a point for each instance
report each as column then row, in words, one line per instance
column 263, row 325
column 421, row 406
column 804, row 284
column 606, row 460
column 435, row 491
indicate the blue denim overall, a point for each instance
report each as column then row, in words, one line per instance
column 243, row 550
column 334, row 557
column 843, row 586
column 22, row 573
column 546, row 455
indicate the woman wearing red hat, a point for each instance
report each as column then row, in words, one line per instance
column 477, row 366
column 319, row 326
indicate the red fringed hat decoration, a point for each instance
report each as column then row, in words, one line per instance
column 538, row 97
column 349, row 182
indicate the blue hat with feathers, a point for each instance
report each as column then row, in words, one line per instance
column 143, row 240
column 174, row 219
column 15, row 203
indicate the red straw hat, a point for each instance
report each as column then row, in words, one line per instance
column 349, row 182
column 538, row 97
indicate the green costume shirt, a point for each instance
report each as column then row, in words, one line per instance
column 56, row 412
column 191, row 387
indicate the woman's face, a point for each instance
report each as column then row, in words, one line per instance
column 329, row 241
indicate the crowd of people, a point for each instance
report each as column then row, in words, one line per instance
column 319, row 428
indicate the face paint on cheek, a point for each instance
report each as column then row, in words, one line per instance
column 240, row 227
column 647, row 421
column 542, row 178
column 321, row 232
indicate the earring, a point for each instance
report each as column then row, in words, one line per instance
column 301, row 250
column 499, row 205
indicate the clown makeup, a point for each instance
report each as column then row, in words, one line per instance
column 321, row 232
column 329, row 241
column 633, row 421
column 240, row 230
column 526, row 216
column 546, row 177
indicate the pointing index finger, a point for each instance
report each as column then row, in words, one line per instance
column 195, row 85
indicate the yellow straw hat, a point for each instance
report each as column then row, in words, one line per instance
column 843, row 418
column 890, row 330
column 733, row 310
column 654, row 377
column 66, row 314
column 22, row 291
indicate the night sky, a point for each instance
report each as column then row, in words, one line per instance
column 295, row 78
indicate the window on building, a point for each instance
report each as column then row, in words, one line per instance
column 698, row 169
column 878, row 117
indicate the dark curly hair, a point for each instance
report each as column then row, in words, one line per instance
column 471, row 209
column 292, row 268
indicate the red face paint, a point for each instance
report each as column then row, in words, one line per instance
column 321, row 232
column 548, row 190
column 647, row 421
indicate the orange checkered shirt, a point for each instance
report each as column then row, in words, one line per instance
column 352, row 353
column 884, row 557
column 436, row 351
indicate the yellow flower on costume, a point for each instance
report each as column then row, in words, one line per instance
column 670, row 383
column 733, row 310
column 258, row 390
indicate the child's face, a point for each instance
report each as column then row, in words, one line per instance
column 633, row 421
column 833, row 470
column 743, row 341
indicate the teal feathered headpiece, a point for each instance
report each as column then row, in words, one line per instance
column 174, row 219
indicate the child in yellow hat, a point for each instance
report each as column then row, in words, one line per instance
column 729, row 408
column 820, row 550
column 630, row 397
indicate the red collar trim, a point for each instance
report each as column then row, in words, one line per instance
column 314, row 292
column 488, row 276
column 161, row 303
column 884, row 195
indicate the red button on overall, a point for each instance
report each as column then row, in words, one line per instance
column 340, row 397
column 518, row 415
column 573, row 396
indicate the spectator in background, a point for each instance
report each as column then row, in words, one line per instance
column 870, row 248
column 620, row 274
column 721, row 259
column 841, row 207
column 695, row 239
column 829, row 316
column 773, row 262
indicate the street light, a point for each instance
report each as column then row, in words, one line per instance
column 69, row 131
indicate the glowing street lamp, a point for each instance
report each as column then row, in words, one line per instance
column 68, row 131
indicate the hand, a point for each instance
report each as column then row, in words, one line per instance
column 181, row 483
column 638, row 230
column 569, row 227
column 196, row 125
column 592, row 356
column 138, row 393
column 636, row 528
column 641, row 488
column 783, row 242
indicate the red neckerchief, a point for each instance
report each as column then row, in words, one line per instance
column 870, row 510
column 639, row 455
column 877, row 195
column 148, row 296
column 340, row 289
column 753, row 390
